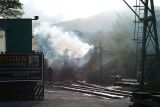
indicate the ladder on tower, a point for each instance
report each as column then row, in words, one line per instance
column 147, row 53
column 145, row 38
column 138, row 34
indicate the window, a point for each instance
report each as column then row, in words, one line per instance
column 2, row 40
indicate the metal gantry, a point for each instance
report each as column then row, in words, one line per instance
column 146, row 37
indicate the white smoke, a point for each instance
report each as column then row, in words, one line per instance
column 53, row 40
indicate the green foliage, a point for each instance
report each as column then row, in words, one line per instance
column 11, row 9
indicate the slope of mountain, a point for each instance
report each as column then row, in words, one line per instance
column 99, row 22
column 115, row 30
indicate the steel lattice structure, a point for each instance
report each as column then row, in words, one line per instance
column 146, row 37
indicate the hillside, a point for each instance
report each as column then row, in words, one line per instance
column 115, row 30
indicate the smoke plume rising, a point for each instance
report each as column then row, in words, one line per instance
column 53, row 40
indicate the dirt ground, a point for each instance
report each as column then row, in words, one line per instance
column 61, row 98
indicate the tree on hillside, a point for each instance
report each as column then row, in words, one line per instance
column 11, row 9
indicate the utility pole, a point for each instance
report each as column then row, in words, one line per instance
column 100, row 61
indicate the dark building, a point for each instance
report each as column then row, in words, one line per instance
column 18, row 35
column 21, row 70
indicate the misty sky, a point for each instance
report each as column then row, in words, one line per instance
column 63, row 10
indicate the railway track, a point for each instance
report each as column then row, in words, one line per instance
column 91, row 89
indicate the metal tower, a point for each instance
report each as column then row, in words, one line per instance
column 146, row 37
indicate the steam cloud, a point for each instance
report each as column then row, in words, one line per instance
column 53, row 40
